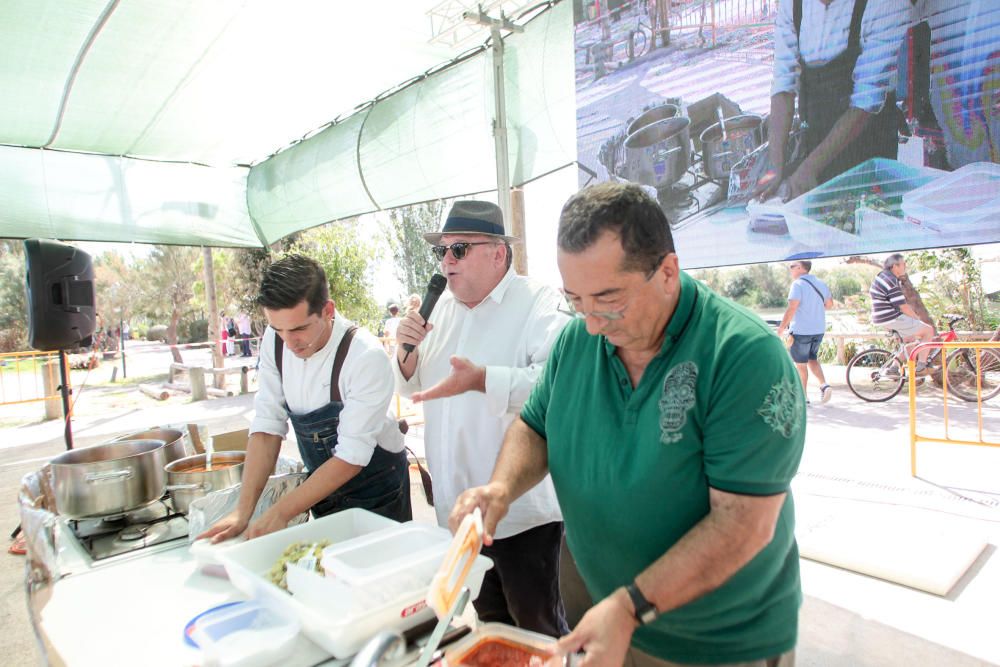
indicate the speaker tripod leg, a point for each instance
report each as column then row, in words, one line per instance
column 64, row 390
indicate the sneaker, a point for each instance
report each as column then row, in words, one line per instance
column 825, row 392
column 892, row 372
column 921, row 367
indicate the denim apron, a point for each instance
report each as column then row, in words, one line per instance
column 383, row 486
column 825, row 94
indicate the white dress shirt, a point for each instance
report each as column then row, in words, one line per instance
column 366, row 387
column 823, row 36
column 510, row 333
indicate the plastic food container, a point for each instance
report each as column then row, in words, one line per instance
column 246, row 634
column 368, row 572
column 343, row 628
column 968, row 196
column 495, row 644
column 878, row 184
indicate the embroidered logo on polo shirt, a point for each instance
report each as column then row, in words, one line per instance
column 675, row 401
column 781, row 408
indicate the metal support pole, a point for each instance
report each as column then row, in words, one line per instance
column 499, row 105
column 65, row 391
column 121, row 344
column 500, row 128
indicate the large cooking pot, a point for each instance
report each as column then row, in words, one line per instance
column 108, row 479
column 188, row 479
column 175, row 445
column 650, row 116
column 743, row 135
column 659, row 153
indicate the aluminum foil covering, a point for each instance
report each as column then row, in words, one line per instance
column 206, row 511
column 40, row 526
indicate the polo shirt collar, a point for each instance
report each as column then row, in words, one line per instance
column 678, row 320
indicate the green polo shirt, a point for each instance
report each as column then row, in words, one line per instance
column 720, row 406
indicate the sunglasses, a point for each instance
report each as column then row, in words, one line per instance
column 458, row 250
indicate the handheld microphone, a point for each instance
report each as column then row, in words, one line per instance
column 434, row 290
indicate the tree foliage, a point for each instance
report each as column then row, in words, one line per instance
column 413, row 262
column 13, row 298
column 348, row 258
column 170, row 274
column 950, row 281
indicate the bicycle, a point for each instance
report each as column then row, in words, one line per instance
column 877, row 375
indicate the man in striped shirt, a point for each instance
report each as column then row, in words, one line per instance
column 890, row 310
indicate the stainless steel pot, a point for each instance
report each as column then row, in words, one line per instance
column 108, row 479
column 719, row 152
column 650, row 116
column 659, row 153
column 175, row 444
column 187, row 481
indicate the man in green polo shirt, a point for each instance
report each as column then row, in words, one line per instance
column 672, row 422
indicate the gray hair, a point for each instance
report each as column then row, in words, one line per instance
column 623, row 209
column 891, row 261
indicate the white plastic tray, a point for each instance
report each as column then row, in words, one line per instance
column 341, row 632
column 969, row 195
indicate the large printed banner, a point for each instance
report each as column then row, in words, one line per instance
column 789, row 129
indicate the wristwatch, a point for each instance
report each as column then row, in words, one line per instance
column 645, row 611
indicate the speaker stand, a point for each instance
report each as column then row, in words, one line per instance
column 64, row 390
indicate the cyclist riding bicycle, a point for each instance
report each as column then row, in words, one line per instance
column 891, row 312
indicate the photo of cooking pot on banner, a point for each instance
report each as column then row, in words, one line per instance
column 814, row 130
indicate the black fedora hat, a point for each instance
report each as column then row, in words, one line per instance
column 473, row 217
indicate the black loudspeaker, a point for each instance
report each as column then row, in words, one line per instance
column 60, row 283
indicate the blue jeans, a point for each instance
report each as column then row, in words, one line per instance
column 805, row 348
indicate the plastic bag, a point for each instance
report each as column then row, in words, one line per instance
column 206, row 511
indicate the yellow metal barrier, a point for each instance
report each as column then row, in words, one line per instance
column 28, row 383
column 986, row 366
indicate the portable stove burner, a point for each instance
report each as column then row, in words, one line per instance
column 113, row 535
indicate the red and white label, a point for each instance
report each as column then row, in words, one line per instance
column 413, row 609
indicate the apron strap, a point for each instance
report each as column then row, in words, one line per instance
column 338, row 363
column 854, row 37
column 279, row 348
column 797, row 19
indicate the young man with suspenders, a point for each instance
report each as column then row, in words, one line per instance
column 335, row 384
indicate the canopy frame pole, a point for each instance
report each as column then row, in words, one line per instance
column 499, row 105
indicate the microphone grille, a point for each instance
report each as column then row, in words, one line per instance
column 437, row 283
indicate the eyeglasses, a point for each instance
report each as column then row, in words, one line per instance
column 570, row 309
column 794, row 266
column 458, row 250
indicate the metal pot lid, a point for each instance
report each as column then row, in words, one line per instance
column 741, row 122
column 661, row 130
column 110, row 451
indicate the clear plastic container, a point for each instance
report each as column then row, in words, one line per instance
column 508, row 645
column 340, row 629
column 248, row 634
column 967, row 196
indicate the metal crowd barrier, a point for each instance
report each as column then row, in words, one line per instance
column 22, row 365
column 981, row 370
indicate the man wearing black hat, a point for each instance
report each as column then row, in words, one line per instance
column 474, row 364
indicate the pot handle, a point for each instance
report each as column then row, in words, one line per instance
column 662, row 154
column 112, row 476
column 189, row 487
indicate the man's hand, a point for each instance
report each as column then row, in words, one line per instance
column 603, row 634
column 781, row 331
column 228, row 527
column 803, row 180
column 492, row 501
column 412, row 329
column 465, row 376
column 270, row 521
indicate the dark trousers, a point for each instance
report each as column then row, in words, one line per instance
column 522, row 588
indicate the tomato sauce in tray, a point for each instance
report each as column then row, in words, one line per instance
column 502, row 653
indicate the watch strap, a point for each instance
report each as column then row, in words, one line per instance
column 645, row 611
